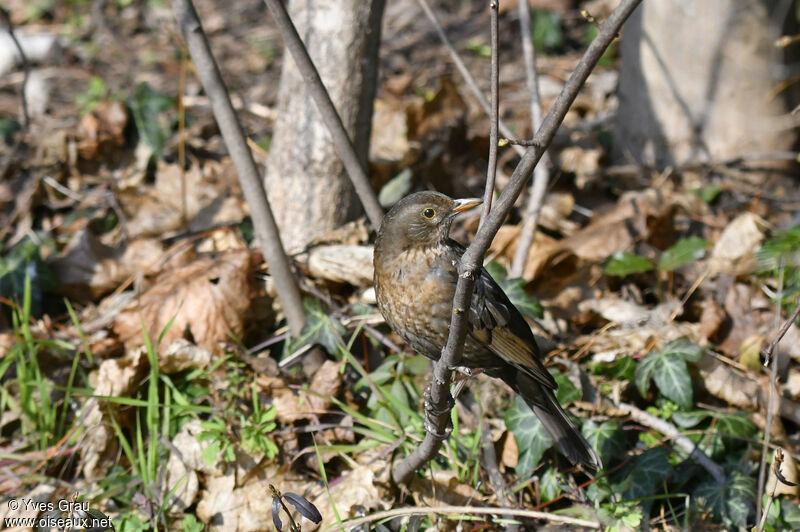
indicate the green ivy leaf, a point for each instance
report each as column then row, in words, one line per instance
column 623, row 368
column 546, row 30
column 497, row 271
column 529, row 433
column 549, row 487
column 566, row 392
column 644, row 372
column 683, row 252
column 318, row 329
column 605, row 438
column 527, row 304
column 688, row 350
column 672, row 378
column 147, row 105
column 650, row 470
column 732, row 502
column 623, row 263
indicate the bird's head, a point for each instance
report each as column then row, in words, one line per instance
column 422, row 219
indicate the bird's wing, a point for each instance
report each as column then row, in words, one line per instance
column 498, row 324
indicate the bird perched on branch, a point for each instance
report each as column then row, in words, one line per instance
column 416, row 271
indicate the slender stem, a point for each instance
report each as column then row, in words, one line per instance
column 469, row 79
column 25, row 65
column 466, row 510
column 330, row 117
column 263, row 222
column 440, row 398
column 541, row 174
column 491, row 170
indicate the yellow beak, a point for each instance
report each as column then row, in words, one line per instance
column 466, row 204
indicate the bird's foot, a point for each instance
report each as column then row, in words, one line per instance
column 430, row 408
column 432, row 429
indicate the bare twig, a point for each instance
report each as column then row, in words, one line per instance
column 469, row 79
column 25, row 65
column 491, row 167
column 440, row 398
column 541, row 174
column 263, row 222
column 469, row 510
column 668, row 429
column 773, row 401
column 341, row 140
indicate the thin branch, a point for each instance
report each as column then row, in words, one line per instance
column 263, row 222
column 25, row 65
column 470, row 263
column 462, row 69
column 774, row 400
column 668, row 429
column 469, row 510
column 541, row 174
column 330, row 117
column 491, row 167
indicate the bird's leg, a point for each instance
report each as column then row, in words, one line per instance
column 431, row 411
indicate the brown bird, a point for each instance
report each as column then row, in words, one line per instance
column 415, row 280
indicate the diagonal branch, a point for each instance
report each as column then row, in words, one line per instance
column 263, row 222
column 440, row 397
column 341, row 140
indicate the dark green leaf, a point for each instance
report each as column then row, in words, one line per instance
column 529, row 433
column 497, row 271
column 623, row 263
column 147, row 105
column 623, row 369
column 783, row 244
column 549, row 487
column 708, row 193
column 566, row 392
column 644, row 372
column 546, row 30
column 685, row 348
column 683, row 252
column 650, row 470
column 672, row 378
column 515, row 290
column 731, row 502
column 606, row 438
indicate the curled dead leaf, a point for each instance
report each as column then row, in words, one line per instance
column 205, row 300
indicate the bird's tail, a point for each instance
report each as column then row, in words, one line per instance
column 568, row 439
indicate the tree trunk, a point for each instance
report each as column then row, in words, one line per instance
column 698, row 83
column 307, row 186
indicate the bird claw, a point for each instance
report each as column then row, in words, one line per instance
column 432, row 410
column 430, row 428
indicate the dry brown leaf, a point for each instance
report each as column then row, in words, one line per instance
column 713, row 319
column 226, row 506
column 206, row 300
column 389, row 140
column 88, row 269
column 733, row 251
column 357, row 488
column 195, row 199
column 326, row 382
column 509, row 456
column 102, row 129
column 181, row 355
column 115, row 378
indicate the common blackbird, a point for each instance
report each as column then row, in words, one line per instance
column 415, row 280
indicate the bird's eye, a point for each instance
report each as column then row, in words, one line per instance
column 429, row 213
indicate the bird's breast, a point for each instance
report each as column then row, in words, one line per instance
column 415, row 294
